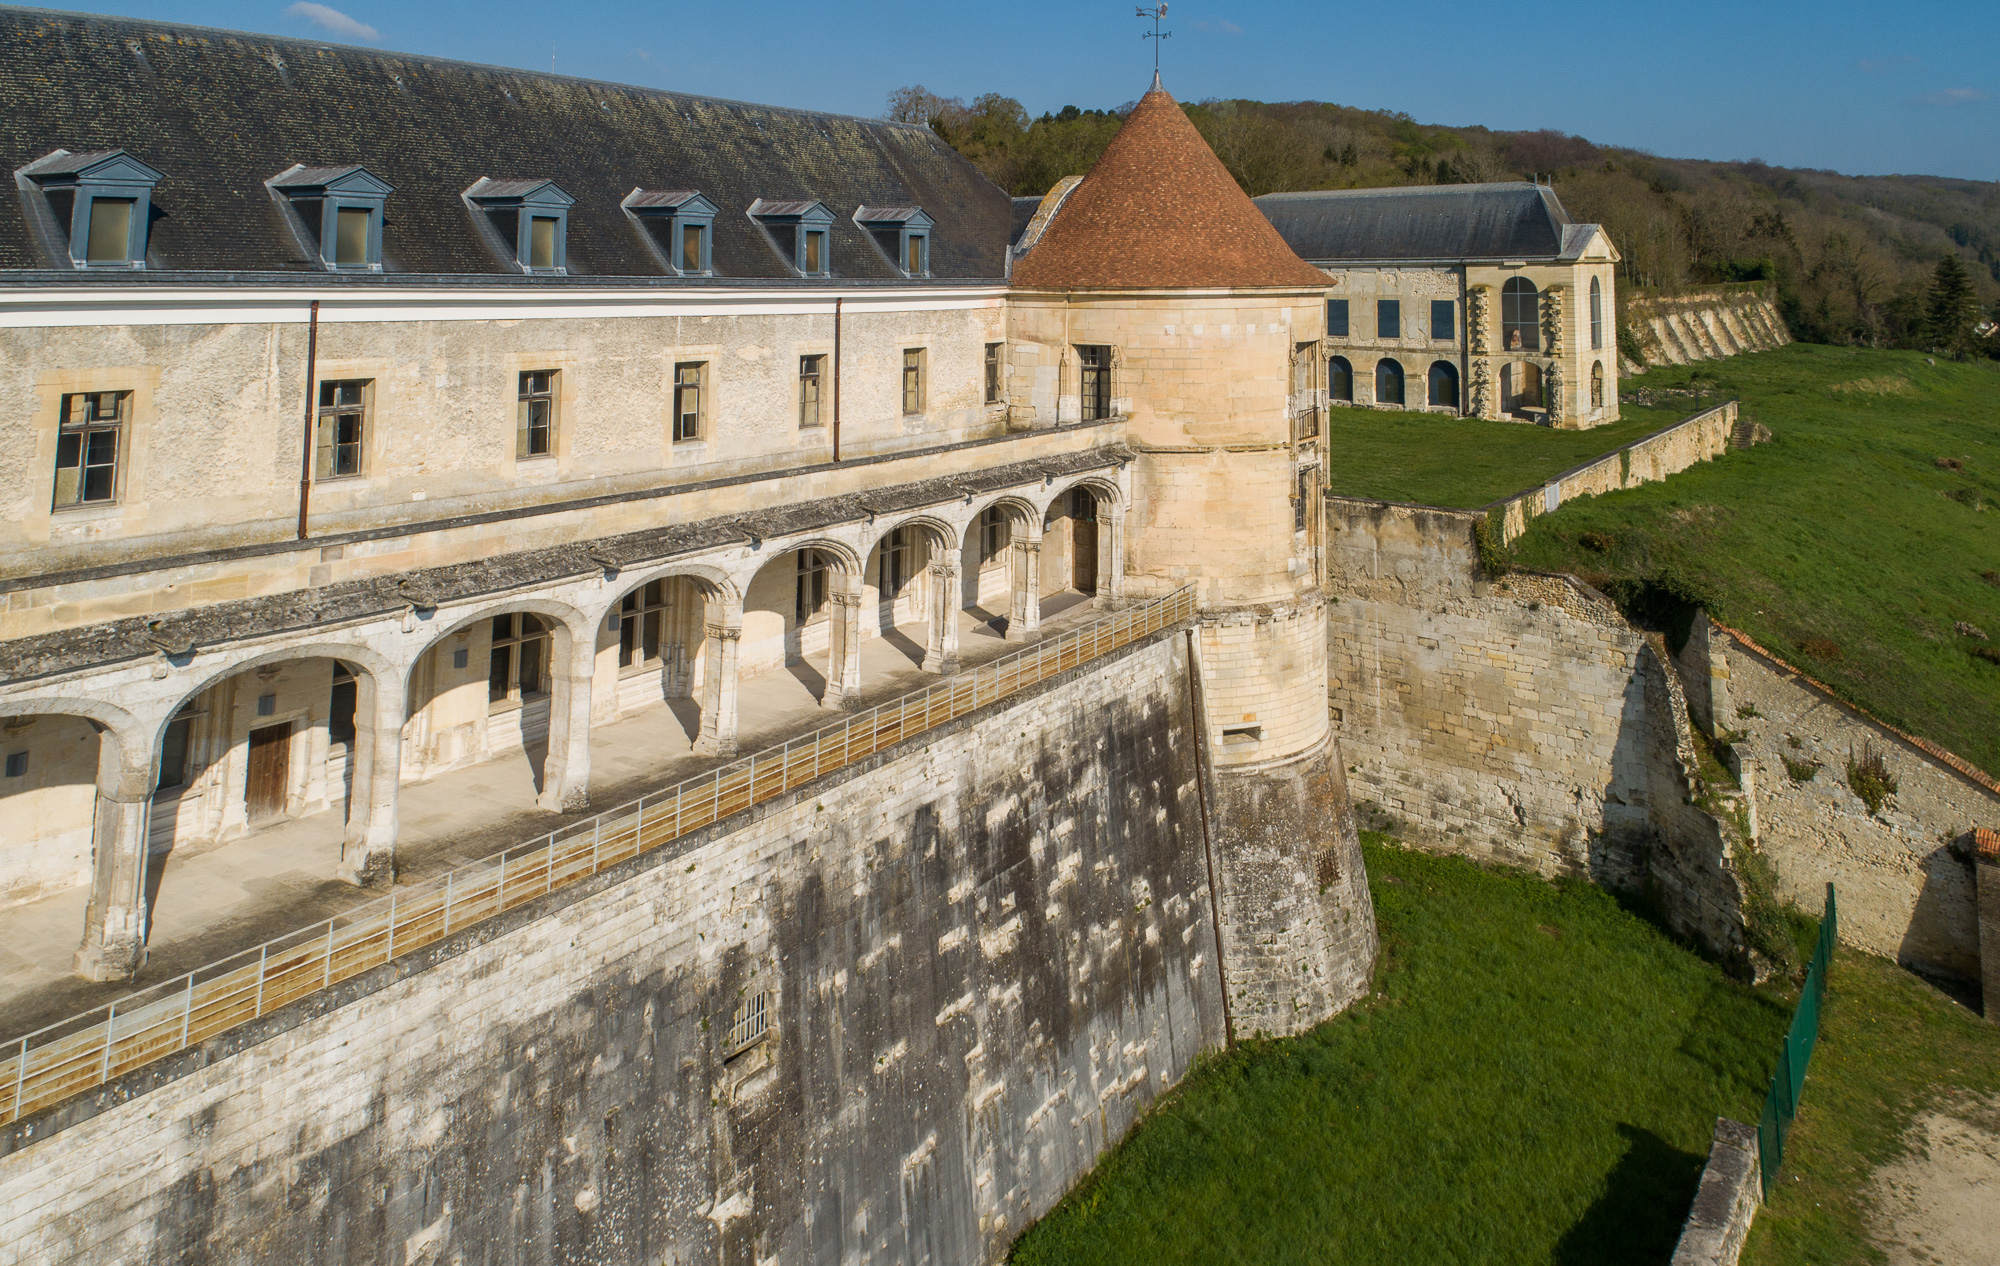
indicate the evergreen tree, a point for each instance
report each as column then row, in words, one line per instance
column 1951, row 309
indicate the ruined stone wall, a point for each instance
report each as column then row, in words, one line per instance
column 1904, row 875
column 983, row 953
column 1703, row 325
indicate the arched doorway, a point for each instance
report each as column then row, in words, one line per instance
column 1388, row 382
column 1520, row 386
column 1000, row 562
column 1339, row 379
column 1444, row 384
column 802, row 612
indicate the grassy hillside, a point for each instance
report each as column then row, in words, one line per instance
column 1850, row 255
column 1855, row 543
column 1536, row 1080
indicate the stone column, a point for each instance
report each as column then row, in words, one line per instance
column 941, row 649
column 1987, row 846
column 1024, row 603
column 114, row 921
column 368, row 848
column 566, row 769
column 843, row 668
column 724, row 638
column 1110, row 553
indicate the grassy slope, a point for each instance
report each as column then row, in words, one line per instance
column 1464, row 462
column 1890, row 1048
column 1842, row 528
column 1508, row 1096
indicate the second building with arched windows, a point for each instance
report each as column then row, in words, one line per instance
column 1473, row 300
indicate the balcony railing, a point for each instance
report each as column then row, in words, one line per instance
column 87, row 1050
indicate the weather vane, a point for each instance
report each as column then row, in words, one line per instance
column 1156, row 34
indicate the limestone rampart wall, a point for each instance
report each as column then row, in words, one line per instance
column 1666, row 452
column 982, row 953
column 1702, row 325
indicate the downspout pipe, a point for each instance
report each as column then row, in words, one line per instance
column 306, row 453
column 836, row 378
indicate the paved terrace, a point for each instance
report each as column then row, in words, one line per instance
column 207, row 903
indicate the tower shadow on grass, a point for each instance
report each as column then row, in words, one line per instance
column 1638, row 1218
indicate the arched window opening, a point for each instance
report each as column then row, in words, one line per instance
column 1596, row 316
column 1339, row 379
column 517, row 670
column 996, row 533
column 1597, row 384
column 1520, row 386
column 809, row 598
column 1520, row 316
column 1444, row 384
column 1388, row 382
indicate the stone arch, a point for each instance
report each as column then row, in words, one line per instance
column 1443, row 385
column 1596, row 316
column 1339, row 379
column 801, row 607
column 997, row 534
column 911, row 577
column 660, row 642
column 1082, row 542
column 1389, row 381
column 65, row 757
column 1520, row 316
column 1597, row 384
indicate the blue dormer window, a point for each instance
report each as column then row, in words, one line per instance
column 680, row 224
column 802, row 231
column 338, row 212
column 100, row 204
column 903, row 233
column 530, row 219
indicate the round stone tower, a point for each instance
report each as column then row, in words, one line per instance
column 1158, row 271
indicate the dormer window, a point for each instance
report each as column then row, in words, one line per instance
column 338, row 213
column 903, row 233
column 529, row 219
column 101, row 205
column 680, row 224
column 802, row 231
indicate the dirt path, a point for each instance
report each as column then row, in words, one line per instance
column 1940, row 1203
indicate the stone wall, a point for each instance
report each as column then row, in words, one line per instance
column 1517, row 719
column 1703, row 325
column 982, row 953
column 1732, row 1186
column 1988, row 846
column 1699, row 438
column 1904, row 875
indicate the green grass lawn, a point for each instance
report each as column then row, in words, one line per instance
column 1843, row 544
column 1465, row 462
column 1536, row 1080
column 1890, row 1048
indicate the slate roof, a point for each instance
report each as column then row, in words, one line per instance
column 221, row 112
column 1159, row 211
column 1512, row 220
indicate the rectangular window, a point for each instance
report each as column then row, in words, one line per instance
column 17, row 764
column 749, row 1024
column 688, row 400
column 640, row 617
column 995, row 533
column 535, row 424
column 110, row 240
column 1336, row 318
column 342, row 418
column 1388, row 318
column 815, row 252
column 1095, row 383
column 913, row 380
column 516, row 669
column 993, row 373
column 810, row 599
column 350, row 235
column 88, row 438
column 810, row 368
column 1444, row 320
column 542, row 242
column 174, row 750
column 913, row 262
column 895, row 569
column 694, row 241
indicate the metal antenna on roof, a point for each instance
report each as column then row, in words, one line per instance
column 1156, row 35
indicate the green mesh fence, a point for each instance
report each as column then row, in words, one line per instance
column 1781, row 1106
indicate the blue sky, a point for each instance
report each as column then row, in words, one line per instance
column 1859, row 88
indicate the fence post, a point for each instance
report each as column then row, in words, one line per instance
column 500, row 888
column 596, row 840
column 110, row 1022
column 187, row 1011
column 20, row 1081
column 263, row 957
column 326, row 970
column 447, row 901
column 392, row 923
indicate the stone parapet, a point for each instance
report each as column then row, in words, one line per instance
column 1724, row 1205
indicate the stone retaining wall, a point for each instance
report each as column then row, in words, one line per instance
column 1702, row 325
column 1665, row 452
column 1732, row 1187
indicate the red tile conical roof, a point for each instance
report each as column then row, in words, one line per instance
column 1160, row 212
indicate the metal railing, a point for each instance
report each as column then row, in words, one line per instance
column 87, row 1050
column 1781, row 1105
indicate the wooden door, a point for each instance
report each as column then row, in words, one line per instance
column 270, row 770
column 1083, row 555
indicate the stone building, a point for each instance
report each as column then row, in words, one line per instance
column 1475, row 300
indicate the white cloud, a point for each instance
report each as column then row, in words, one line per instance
column 1952, row 97
column 333, row 21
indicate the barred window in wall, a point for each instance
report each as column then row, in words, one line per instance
column 894, row 571
column 518, row 668
column 913, row 380
column 810, row 368
column 749, row 1024
column 88, row 439
column 689, row 379
column 996, row 533
column 1596, row 316
column 810, row 599
column 1520, row 316
column 343, row 412
column 641, row 615
column 1305, row 409
column 1096, row 381
column 535, row 416
column 993, row 373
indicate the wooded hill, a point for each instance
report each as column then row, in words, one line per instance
column 1853, row 257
